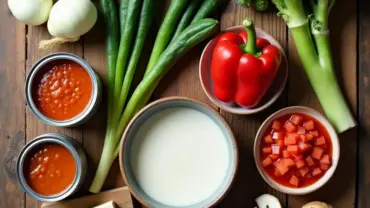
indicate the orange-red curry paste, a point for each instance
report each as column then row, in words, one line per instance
column 63, row 91
column 49, row 169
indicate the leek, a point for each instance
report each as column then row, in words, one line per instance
column 311, row 36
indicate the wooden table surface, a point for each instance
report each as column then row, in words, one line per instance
column 350, row 36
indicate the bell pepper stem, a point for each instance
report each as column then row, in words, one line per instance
column 251, row 47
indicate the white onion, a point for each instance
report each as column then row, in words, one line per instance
column 31, row 12
column 68, row 20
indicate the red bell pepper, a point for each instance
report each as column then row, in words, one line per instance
column 243, row 66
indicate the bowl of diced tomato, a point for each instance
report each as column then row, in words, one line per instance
column 296, row 150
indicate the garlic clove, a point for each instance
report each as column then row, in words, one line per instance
column 267, row 201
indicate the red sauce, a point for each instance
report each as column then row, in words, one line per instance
column 296, row 150
column 63, row 90
column 49, row 169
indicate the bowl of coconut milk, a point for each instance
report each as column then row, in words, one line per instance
column 178, row 152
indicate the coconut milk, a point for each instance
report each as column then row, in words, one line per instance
column 180, row 156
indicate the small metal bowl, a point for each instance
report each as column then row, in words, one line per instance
column 91, row 107
column 77, row 153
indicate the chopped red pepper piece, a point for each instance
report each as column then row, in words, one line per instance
column 266, row 162
column 294, row 180
column 276, row 125
column 317, row 153
column 296, row 119
column 309, row 125
column 320, row 141
column 310, row 161
column 300, row 164
column 290, row 127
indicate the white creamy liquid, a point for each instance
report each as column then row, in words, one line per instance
column 179, row 156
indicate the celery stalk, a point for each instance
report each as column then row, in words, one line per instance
column 314, row 50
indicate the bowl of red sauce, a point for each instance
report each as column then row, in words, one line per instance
column 296, row 150
column 51, row 167
column 63, row 90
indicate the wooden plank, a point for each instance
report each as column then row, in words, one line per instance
column 35, row 127
column 363, row 184
column 248, row 183
column 120, row 196
column 340, row 190
column 12, row 120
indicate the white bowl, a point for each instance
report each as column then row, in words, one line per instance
column 271, row 95
column 334, row 140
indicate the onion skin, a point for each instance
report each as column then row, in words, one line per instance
column 31, row 12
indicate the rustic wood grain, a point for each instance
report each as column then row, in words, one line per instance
column 363, row 186
column 340, row 190
column 35, row 127
column 12, row 120
column 248, row 183
column 19, row 51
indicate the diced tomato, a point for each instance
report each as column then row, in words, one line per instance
column 274, row 157
column 320, row 141
column 309, row 125
column 301, row 130
column 325, row 160
column 316, row 171
column 288, row 162
column 282, row 168
column 278, row 135
column 324, row 167
column 277, row 172
column 279, row 142
column 304, row 171
column 286, row 154
column 314, row 134
column 268, row 139
column 303, row 138
column 266, row 162
column 317, row 153
column 309, row 137
column 292, row 138
column 292, row 148
column 290, row 127
column 296, row 119
column 310, row 161
column 294, row 180
column 276, row 149
column 300, row 163
column 276, row 125
column 297, row 157
column 267, row 150
column 303, row 147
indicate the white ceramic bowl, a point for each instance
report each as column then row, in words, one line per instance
column 334, row 139
column 271, row 95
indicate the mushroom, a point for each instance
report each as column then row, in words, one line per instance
column 267, row 201
column 317, row 204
